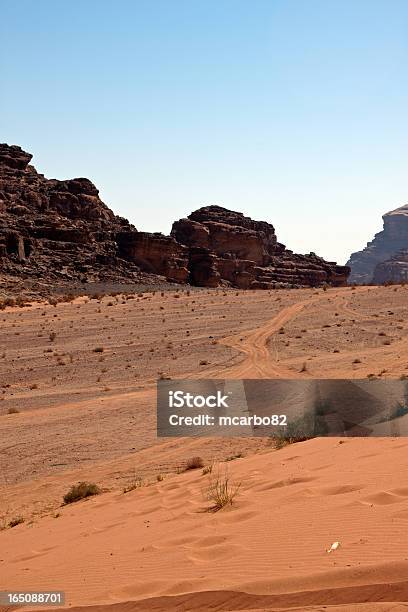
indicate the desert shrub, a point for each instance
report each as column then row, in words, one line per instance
column 135, row 482
column 400, row 409
column 98, row 349
column 306, row 427
column 12, row 411
column 207, row 470
column 17, row 520
column 233, row 457
column 194, row 463
column 81, row 491
column 68, row 297
column 221, row 491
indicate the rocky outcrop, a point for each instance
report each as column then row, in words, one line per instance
column 62, row 231
column 382, row 253
column 58, row 231
column 226, row 247
column 394, row 270
column 154, row 253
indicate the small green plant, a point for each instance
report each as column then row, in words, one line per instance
column 81, row 491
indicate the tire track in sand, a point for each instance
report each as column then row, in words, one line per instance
column 258, row 361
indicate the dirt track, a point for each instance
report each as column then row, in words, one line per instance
column 72, row 427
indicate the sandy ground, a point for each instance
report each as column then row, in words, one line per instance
column 82, row 376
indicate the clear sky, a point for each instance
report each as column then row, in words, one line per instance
column 291, row 111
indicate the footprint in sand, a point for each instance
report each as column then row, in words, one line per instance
column 288, row 482
column 183, row 541
column 337, row 490
column 34, row 554
column 237, row 516
column 205, row 552
column 383, row 498
column 402, row 491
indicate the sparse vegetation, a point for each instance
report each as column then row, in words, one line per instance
column 194, row 463
column 233, row 457
column 135, row 482
column 17, row 520
column 221, row 491
column 80, row 491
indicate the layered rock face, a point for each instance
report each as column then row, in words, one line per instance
column 61, row 231
column 383, row 259
column 394, row 270
column 225, row 247
column 56, row 231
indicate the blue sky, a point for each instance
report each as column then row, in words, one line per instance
column 291, row 111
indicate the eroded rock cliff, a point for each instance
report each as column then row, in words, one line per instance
column 226, row 247
column 56, row 231
column 61, row 231
column 383, row 252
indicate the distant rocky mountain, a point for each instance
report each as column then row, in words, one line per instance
column 385, row 258
column 60, row 231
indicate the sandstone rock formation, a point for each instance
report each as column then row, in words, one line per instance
column 60, row 231
column 226, row 247
column 394, row 270
column 381, row 260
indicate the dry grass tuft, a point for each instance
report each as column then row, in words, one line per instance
column 17, row 520
column 221, row 491
column 136, row 482
column 194, row 463
column 81, row 491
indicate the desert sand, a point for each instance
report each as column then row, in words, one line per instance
column 82, row 377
